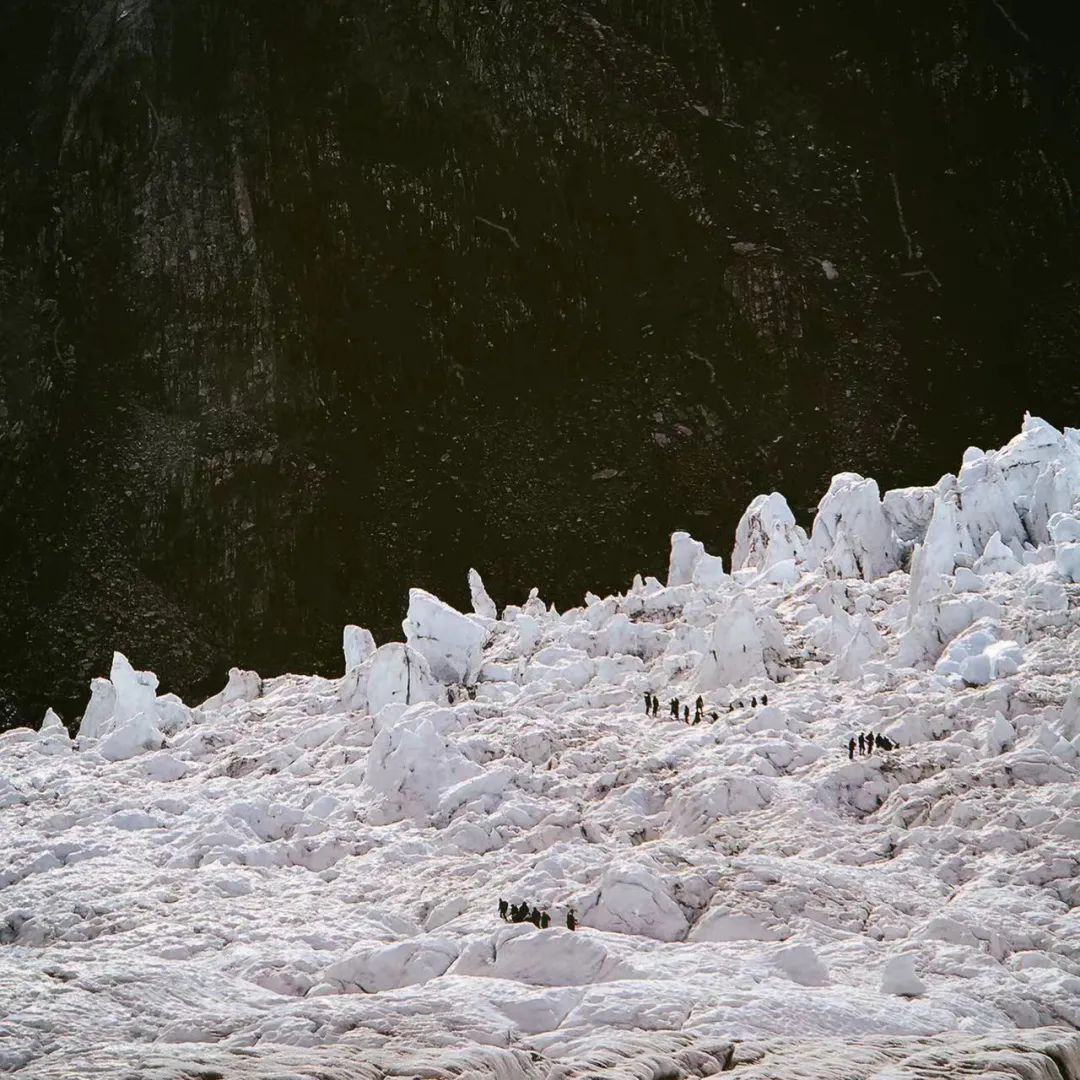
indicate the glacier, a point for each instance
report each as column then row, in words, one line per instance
column 300, row 876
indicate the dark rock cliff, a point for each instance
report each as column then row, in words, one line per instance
column 303, row 303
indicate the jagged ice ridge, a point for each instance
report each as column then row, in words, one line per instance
column 299, row 877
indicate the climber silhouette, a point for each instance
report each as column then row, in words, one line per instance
column 545, row 920
column 869, row 742
column 699, row 704
column 675, row 707
column 655, row 706
column 753, row 703
column 686, row 714
column 851, row 749
column 502, row 910
column 534, row 917
column 648, row 702
column 862, row 743
column 764, row 699
column 571, row 922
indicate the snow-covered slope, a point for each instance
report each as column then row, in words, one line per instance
column 301, row 876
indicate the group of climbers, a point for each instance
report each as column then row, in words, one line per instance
column 522, row 913
column 652, row 707
column 869, row 742
column 866, row 742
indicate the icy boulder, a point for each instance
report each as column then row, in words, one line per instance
column 709, row 572
column 802, row 965
column 554, row 957
column 988, row 506
column 482, row 604
column 736, row 650
column 632, row 900
column 357, row 644
column 864, row 644
column 722, row 925
column 412, row 764
column 996, row 558
column 908, row 511
column 50, row 722
column 899, row 977
column 981, row 654
column 945, row 546
column 131, row 737
column 851, row 536
column 451, row 642
column 99, row 711
column 1067, row 561
column 240, row 686
column 1038, row 446
column 53, row 737
column 388, row 967
column 1070, row 714
column 767, row 534
column 400, row 675
column 1001, row 736
column 1056, row 491
column 136, row 691
column 126, row 695
column 685, row 553
column 1064, row 530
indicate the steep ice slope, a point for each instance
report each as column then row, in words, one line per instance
column 301, row 875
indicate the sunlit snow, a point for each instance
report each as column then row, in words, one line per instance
column 301, row 876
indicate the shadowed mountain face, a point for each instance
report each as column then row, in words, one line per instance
column 302, row 304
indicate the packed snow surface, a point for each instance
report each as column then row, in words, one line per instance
column 301, row 876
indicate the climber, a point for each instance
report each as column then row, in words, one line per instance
column 851, row 749
column 699, row 705
column 502, row 910
column 655, row 706
column 675, row 707
column 862, row 743
column 764, row 699
column 686, row 714
column 571, row 922
column 869, row 742
column 545, row 920
column 753, row 703
column 648, row 702
column 534, row 917
column 520, row 913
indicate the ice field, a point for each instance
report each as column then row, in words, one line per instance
column 300, row 877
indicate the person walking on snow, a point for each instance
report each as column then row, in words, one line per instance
column 675, row 707
column 648, row 702
column 655, row 706
column 502, row 910
column 686, row 714
column 862, row 743
column 851, row 749
column 571, row 922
